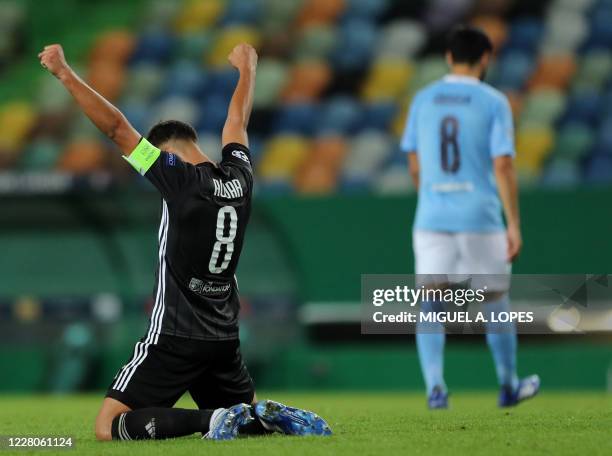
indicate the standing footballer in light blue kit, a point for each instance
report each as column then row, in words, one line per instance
column 460, row 143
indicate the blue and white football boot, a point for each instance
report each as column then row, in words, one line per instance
column 528, row 388
column 289, row 420
column 224, row 423
column 438, row 399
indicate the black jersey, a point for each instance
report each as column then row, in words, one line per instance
column 205, row 212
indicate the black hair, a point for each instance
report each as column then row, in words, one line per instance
column 468, row 44
column 167, row 130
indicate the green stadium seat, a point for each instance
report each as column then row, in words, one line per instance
column 41, row 155
column 543, row 107
column 573, row 142
column 271, row 77
column 315, row 42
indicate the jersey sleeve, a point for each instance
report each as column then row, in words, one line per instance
column 502, row 131
column 166, row 171
column 235, row 154
column 409, row 138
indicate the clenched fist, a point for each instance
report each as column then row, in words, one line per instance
column 52, row 58
column 243, row 57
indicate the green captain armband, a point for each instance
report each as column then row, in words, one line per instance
column 143, row 157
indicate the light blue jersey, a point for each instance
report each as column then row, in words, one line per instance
column 457, row 126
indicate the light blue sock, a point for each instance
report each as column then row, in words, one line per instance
column 430, row 344
column 502, row 341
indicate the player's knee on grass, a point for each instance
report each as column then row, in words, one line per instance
column 110, row 409
column 103, row 430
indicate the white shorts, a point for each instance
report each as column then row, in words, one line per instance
column 463, row 254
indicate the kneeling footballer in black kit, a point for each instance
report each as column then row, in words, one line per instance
column 192, row 341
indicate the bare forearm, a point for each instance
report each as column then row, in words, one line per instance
column 241, row 104
column 508, row 193
column 106, row 117
column 413, row 168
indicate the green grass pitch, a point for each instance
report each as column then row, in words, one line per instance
column 364, row 424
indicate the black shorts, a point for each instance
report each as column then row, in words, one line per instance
column 158, row 374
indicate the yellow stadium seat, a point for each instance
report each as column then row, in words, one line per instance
column 16, row 121
column 534, row 144
column 283, row 155
column 197, row 15
column 229, row 38
column 388, row 79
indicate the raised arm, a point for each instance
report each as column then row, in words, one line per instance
column 244, row 58
column 101, row 112
column 508, row 193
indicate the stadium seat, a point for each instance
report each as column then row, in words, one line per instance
column 525, row 34
column 40, row 155
column 227, row 39
column 594, row 69
column 428, row 70
column 561, row 173
column 494, row 27
column 553, row 71
column 212, row 113
column 365, row 9
column 144, row 81
column 185, row 78
column 16, row 121
column 210, row 143
column 296, row 118
column 306, row 82
column 573, row 142
column 316, row 12
column 282, row 157
column 196, row 15
column 513, row 69
column 316, row 42
column 534, row 143
column 388, row 79
column 315, row 178
column 601, row 33
column 193, row 46
column 153, row 46
column 378, row 115
column 584, row 106
column 393, row 180
column 604, row 136
column 400, row 39
column 566, row 30
column 271, row 77
column 368, row 152
column 106, row 78
column 598, row 169
column 340, row 114
column 356, row 41
column 115, row 46
column 242, row 12
column 83, row 156
column 543, row 107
